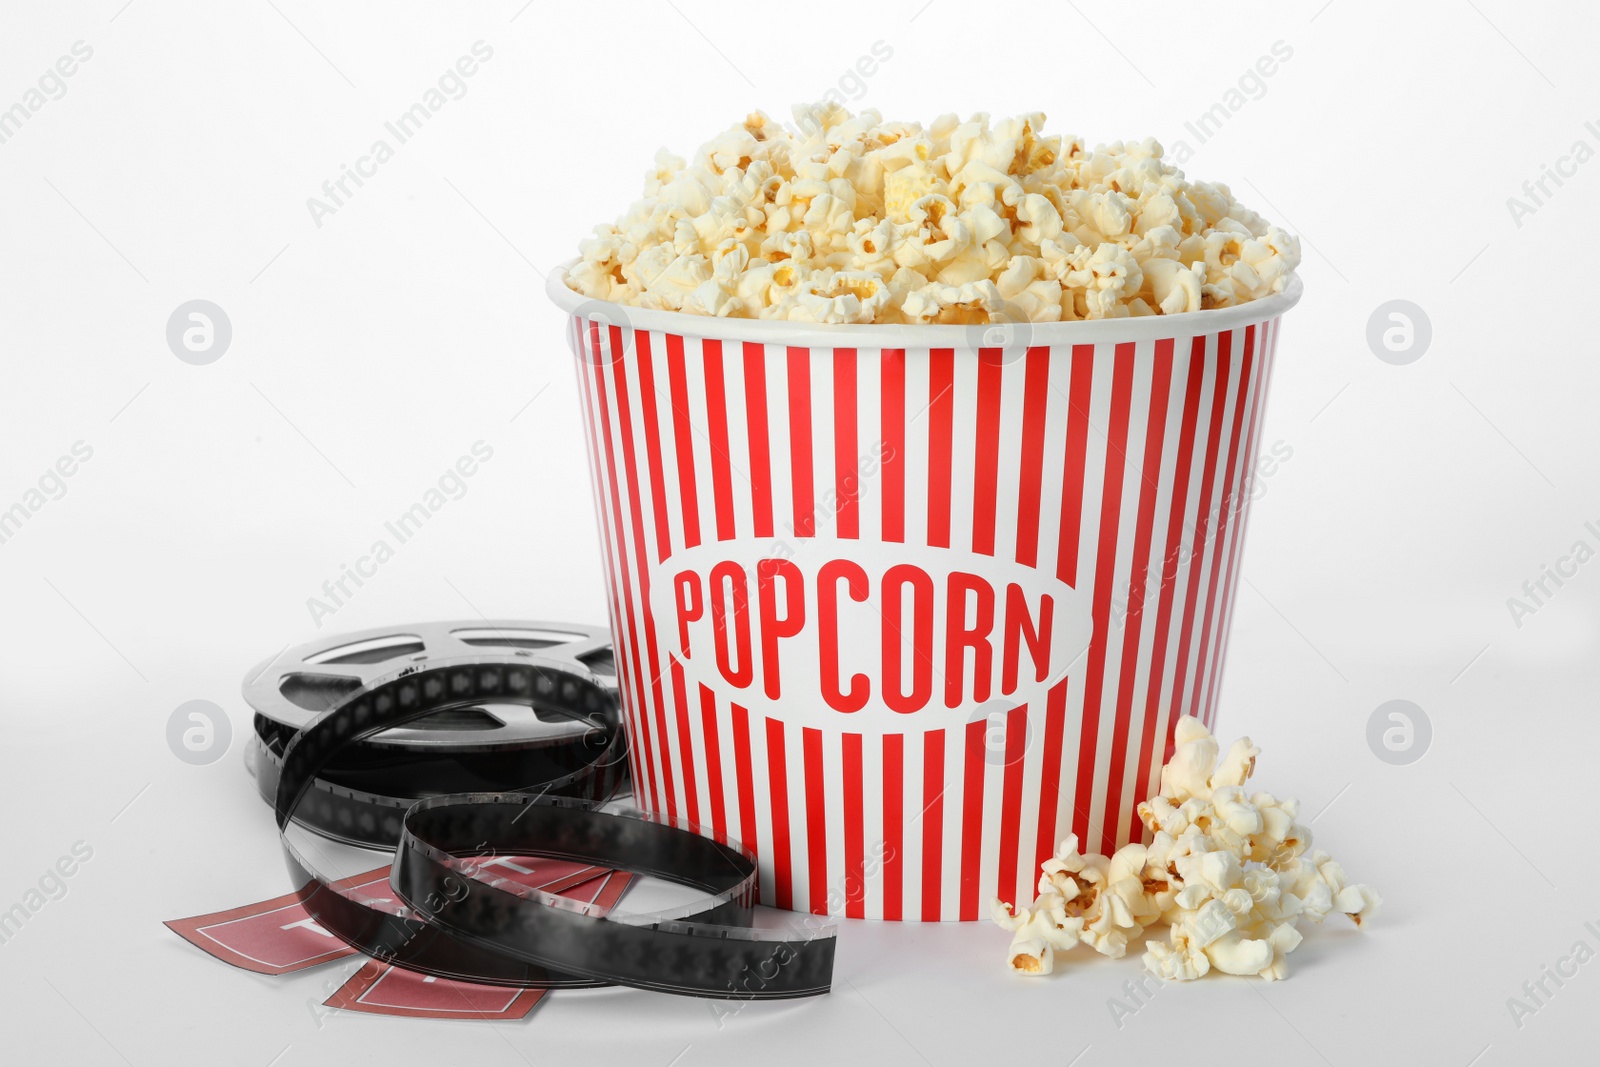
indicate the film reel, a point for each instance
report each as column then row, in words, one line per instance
column 298, row 684
column 488, row 746
column 460, row 920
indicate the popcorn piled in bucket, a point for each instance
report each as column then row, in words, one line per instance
column 850, row 219
column 1229, row 872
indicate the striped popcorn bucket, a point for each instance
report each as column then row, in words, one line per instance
column 899, row 607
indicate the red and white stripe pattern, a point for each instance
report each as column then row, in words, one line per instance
column 1121, row 469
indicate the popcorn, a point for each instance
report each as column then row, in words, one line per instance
column 1230, row 873
column 959, row 222
column 1032, row 955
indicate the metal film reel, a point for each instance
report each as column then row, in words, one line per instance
column 485, row 743
column 295, row 686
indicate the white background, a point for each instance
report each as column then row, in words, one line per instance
column 372, row 351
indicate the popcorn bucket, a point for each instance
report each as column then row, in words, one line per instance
column 899, row 607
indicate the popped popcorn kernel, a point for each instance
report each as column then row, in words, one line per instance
column 1229, row 873
column 957, row 222
column 1032, row 956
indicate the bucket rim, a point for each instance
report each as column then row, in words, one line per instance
column 892, row 335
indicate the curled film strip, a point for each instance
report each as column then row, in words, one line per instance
column 552, row 752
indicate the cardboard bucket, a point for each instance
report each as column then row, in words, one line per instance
column 899, row 607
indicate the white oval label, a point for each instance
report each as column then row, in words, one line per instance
column 863, row 636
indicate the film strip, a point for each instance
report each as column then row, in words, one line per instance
column 449, row 749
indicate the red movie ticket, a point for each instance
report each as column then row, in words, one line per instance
column 279, row 936
column 384, row 989
column 275, row 936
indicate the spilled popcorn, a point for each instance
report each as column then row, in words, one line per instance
column 857, row 220
column 1230, row 873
